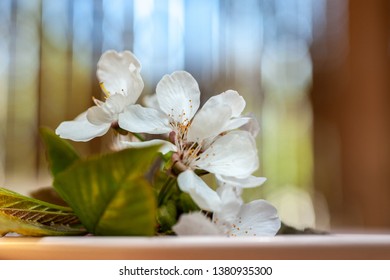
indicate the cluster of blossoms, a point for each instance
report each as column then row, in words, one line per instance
column 215, row 139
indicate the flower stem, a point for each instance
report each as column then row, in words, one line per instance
column 138, row 136
column 165, row 190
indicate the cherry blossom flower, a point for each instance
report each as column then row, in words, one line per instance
column 203, row 140
column 121, row 83
column 256, row 218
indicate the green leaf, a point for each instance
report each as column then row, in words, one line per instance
column 187, row 204
column 60, row 153
column 28, row 216
column 167, row 216
column 110, row 194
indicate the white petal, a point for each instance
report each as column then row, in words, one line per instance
column 178, row 95
column 120, row 74
column 229, row 98
column 252, row 125
column 81, row 129
column 106, row 112
column 206, row 198
column 247, row 182
column 222, row 186
column 195, row 224
column 234, row 155
column 231, row 204
column 219, row 114
column 138, row 119
column 234, row 100
column 257, row 218
column 165, row 145
column 236, row 123
column 208, row 123
column 115, row 104
column 97, row 116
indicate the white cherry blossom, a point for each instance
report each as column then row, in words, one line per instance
column 121, row 83
column 256, row 218
column 203, row 140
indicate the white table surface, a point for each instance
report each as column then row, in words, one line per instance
column 332, row 246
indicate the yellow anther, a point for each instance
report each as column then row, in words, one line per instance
column 105, row 91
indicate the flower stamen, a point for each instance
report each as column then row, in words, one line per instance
column 98, row 102
column 105, row 91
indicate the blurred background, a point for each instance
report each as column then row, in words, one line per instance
column 316, row 74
